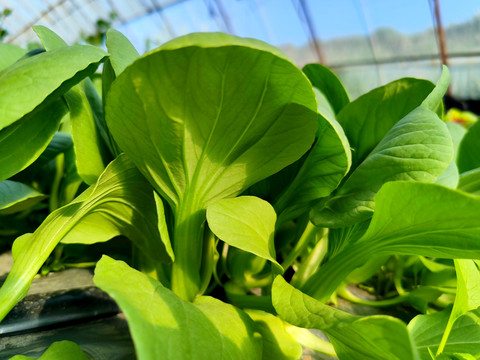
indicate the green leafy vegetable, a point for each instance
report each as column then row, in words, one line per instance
column 322, row 171
column 369, row 118
column 225, row 165
column 470, row 181
column 353, row 337
column 247, row 223
column 49, row 39
column 328, row 83
column 427, row 332
column 91, row 155
column 177, row 138
column 467, row 297
column 469, row 147
column 22, row 89
column 9, row 53
column 121, row 202
column 168, row 327
column 122, row 52
column 15, row 197
column 417, row 148
column 277, row 342
column 60, row 350
column 402, row 224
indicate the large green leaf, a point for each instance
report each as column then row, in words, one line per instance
column 15, row 197
column 164, row 326
column 35, row 129
column 469, row 149
column 426, row 219
column 171, row 111
column 328, row 83
column 427, row 332
column 27, row 83
column 370, row 117
column 9, row 53
column 410, row 218
column 353, row 337
column 417, row 148
column 61, row 350
column 245, row 222
column 121, row 202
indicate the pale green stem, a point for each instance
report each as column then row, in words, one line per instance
column 39, row 246
column 311, row 263
column 329, row 276
column 187, row 247
column 208, row 260
column 81, row 265
column 445, row 336
column 53, row 203
column 309, row 340
column 347, row 295
column 252, row 302
column 397, row 278
column 307, row 238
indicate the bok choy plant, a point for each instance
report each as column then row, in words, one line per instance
column 253, row 193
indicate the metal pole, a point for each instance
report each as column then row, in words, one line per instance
column 441, row 38
column 440, row 32
column 224, row 16
column 312, row 33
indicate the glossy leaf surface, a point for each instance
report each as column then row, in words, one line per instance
column 24, row 141
column 27, row 83
column 89, row 148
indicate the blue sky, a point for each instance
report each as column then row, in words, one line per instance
column 277, row 21
column 274, row 21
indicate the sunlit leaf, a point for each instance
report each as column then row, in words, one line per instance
column 245, row 222
column 353, row 337
column 121, row 202
column 164, row 326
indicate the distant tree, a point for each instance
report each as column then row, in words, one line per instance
column 3, row 15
